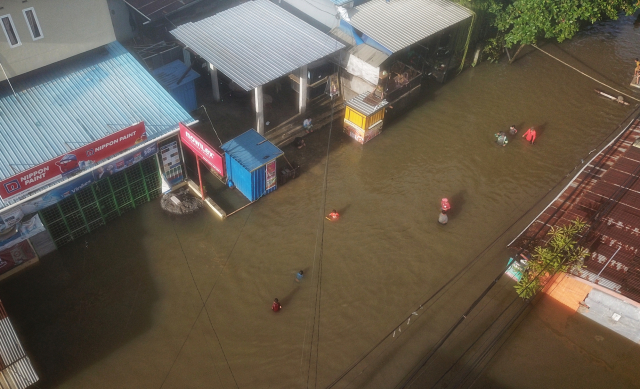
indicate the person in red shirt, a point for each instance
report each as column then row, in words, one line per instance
column 276, row 305
column 333, row 216
column 530, row 135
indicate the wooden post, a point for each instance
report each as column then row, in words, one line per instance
column 516, row 54
column 508, row 54
column 302, row 96
column 214, row 82
column 200, row 177
column 259, row 108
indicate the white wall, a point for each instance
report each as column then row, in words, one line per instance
column 69, row 27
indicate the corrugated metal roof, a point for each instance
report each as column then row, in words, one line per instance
column 251, row 150
column 78, row 101
column 20, row 375
column 169, row 74
column 606, row 193
column 16, row 370
column 359, row 105
column 256, row 42
column 399, row 23
column 157, row 9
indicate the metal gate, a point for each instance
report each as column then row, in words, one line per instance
column 102, row 201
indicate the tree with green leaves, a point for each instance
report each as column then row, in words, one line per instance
column 561, row 253
column 526, row 21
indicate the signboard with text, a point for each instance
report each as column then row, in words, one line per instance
column 72, row 162
column 202, row 149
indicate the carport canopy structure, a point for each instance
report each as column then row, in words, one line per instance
column 255, row 43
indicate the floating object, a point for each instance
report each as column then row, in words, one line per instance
column 443, row 218
column 618, row 99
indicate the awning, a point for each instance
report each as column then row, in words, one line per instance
column 397, row 24
column 256, row 42
column 77, row 101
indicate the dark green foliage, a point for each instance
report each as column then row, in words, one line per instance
column 527, row 21
column 560, row 254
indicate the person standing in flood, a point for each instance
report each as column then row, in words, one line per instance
column 530, row 135
column 444, row 208
column 299, row 276
column 501, row 139
column 513, row 130
column 276, row 305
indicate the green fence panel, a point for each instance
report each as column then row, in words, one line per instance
column 102, row 201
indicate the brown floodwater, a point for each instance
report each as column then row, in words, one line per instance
column 126, row 308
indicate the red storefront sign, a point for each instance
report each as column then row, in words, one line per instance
column 202, row 149
column 72, row 162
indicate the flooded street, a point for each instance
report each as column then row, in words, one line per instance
column 126, row 308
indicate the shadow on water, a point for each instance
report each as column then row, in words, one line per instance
column 572, row 350
column 540, row 128
column 83, row 302
column 457, row 203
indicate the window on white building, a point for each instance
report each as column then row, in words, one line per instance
column 10, row 30
column 32, row 22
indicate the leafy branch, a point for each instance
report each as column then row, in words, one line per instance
column 561, row 253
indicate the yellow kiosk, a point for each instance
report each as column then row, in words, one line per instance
column 363, row 116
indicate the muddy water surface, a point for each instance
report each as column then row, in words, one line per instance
column 378, row 263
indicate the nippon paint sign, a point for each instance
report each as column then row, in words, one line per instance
column 71, row 163
column 202, row 149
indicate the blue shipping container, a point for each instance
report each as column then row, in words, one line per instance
column 247, row 157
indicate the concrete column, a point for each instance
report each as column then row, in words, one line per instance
column 187, row 57
column 259, row 108
column 302, row 102
column 214, row 82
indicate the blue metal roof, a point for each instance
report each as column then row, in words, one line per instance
column 71, row 103
column 169, row 74
column 251, row 150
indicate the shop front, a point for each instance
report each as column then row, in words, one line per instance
column 69, row 165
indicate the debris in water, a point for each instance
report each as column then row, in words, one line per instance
column 181, row 202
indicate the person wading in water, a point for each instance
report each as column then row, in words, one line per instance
column 444, row 208
column 530, row 135
column 501, row 139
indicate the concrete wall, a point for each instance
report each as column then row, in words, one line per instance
column 69, row 27
column 122, row 19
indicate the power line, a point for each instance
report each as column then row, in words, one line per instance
column 605, row 208
column 466, row 267
column 585, row 74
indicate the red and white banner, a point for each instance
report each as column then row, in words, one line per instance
column 76, row 160
column 202, row 149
